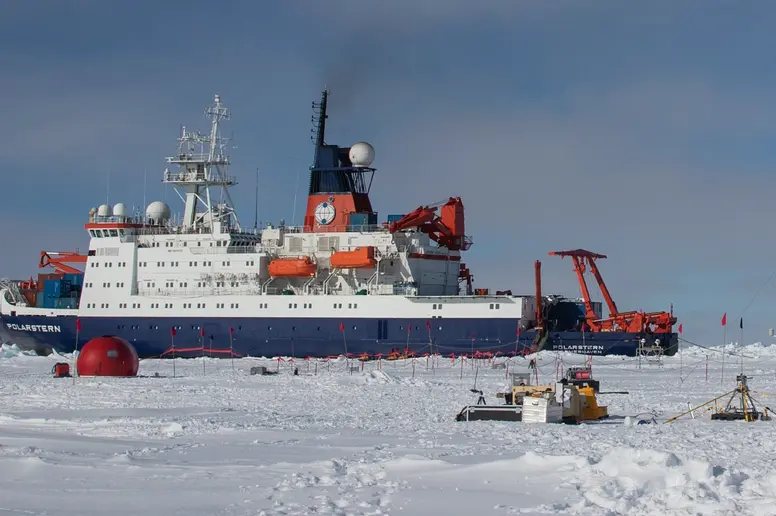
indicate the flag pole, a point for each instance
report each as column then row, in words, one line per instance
column 741, row 343
column 681, row 363
column 231, row 346
column 172, row 344
column 75, row 351
column 724, row 343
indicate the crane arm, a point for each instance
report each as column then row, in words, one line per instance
column 60, row 259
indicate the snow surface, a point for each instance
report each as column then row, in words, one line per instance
column 215, row 440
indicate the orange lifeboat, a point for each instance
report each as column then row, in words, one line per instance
column 292, row 267
column 358, row 258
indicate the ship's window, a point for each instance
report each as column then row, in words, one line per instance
column 228, row 264
column 433, row 307
column 350, row 305
column 335, row 305
column 354, row 327
column 269, row 328
column 218, row 244
column 355, row 305
column 401, row 327
column 121, row 232
column 184, row 244
column 340, row 305
column 114, row 233
column 440, row 328
column 491, row 306
column 237, row 305
column 199, row 244
column 290, row 305
column 203, row 305
column 310, row 305
column 198, row 305
column 498, row 306
column 294, row 305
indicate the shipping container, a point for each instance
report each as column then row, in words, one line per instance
column 67, row 302
column 74, row 279
column 42, row 278
column 358, row 219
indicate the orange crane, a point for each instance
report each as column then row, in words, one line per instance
column 632, row 322
column 59, row 259
column 447, row 229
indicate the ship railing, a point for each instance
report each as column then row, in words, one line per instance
column 226, row 250
column 182, row 230
column 194, row 177
column 356, row 228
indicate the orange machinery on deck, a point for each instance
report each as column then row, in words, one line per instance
column 635, row 321
column 358, row 258
column 292, row 267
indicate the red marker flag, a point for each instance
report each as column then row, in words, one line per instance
column 202, row 332
column 172, row 331
column 428, row 324
column 231, row 330
column 519, row 331
column 78, row 324
column 680, row 329
column 724, row 319
column 342, row 327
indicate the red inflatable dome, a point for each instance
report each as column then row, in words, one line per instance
column 108, row 356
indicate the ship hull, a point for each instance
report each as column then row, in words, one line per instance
column 314, row 337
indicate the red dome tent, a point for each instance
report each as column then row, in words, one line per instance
column 108, row 356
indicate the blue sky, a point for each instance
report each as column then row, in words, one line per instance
column 642, row 131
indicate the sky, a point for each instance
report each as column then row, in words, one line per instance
column 642, row 131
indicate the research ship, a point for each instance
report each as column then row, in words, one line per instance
column 346, row 282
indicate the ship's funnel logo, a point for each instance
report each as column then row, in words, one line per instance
column 324, row 213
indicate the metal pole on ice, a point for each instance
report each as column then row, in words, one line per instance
column 75, row 351
column 231, row 347
column 202, row 345
column 681, row 365
column 741, row 343
column 345, row 342
column 172, row 344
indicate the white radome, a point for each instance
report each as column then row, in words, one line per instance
column 362, row 154
column 103, row 210
column 158, row 212
column 120, row 210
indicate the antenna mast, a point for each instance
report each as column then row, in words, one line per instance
column 202, row 168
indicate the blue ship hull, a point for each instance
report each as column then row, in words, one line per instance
column 300, row 337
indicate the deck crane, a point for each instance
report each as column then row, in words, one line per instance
column 635, row 321
column 447, row 229
column 59, row 259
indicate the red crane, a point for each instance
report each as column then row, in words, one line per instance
column 59, row 259
column 447, row 229
column 632, row 322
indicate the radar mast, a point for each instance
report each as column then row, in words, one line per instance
column 203, row 165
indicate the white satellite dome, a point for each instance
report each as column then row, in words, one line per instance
column 120, row 210
column 158, row 212
column 103, row 210
column 362, row 154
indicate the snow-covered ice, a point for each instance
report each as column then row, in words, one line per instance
column 215, row 440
